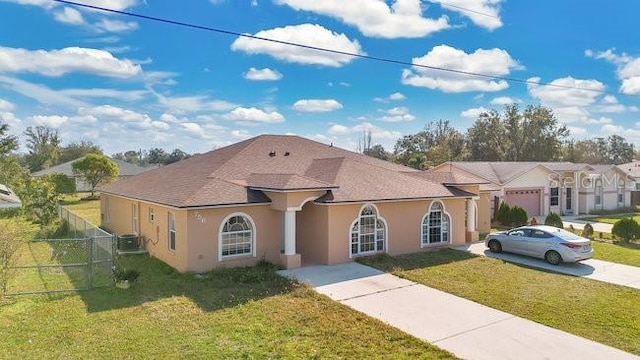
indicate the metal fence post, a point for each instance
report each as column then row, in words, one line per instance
column 90, row 244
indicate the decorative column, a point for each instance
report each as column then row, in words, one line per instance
column 471, row 215
column 289, row 232
column 576, row 193
column 472, row 232
column 289, row 259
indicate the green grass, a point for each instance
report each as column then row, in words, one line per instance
column 611, row 219
column 602, row 312
column 229, row 314
column 621, row 253
column 87, row 209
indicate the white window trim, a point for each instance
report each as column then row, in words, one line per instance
column 444, row 211
column 135, row 215
column 254, row 238
column 598, row 193
column 386, row 232
column 169, row 230
column 620, row 193
column 557, row 196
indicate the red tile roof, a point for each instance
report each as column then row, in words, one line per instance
column 229, row 175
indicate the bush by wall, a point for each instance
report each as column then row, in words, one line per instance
column 502, row 216
column 627, row 229
column 553, row 219
column 587, row 231
column 518, row 216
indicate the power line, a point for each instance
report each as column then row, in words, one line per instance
column 467, row 10
column 337, row 52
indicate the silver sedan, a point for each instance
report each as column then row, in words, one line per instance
column 545, row 242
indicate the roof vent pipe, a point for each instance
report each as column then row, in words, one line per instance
column 272, row 154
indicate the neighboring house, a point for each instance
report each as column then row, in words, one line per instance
column 633, row 171
column 8, row 199
column 125, row 170
column 543, row 187
column 291, row 201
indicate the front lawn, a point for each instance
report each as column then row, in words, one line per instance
column 602, row 312
column 611, row 219
column 230, row 313
column 621, row 253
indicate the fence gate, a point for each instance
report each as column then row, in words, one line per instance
column 81, row 262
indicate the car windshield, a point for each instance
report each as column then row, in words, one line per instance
column 566, row 235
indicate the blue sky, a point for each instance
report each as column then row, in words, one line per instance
column 127, row 83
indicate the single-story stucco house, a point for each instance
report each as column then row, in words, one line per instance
column 565, row 188
column 633, row 171
column 8, row 199
column 125, row 170
column 291, row 201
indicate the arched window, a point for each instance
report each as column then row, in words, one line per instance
column 368, row 232
column 436, row 227
column 236, row 237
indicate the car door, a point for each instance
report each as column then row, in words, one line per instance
column 539, row 243
column 517, row 241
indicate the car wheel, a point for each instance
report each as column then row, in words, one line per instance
column 553, row 257
column 495, row 246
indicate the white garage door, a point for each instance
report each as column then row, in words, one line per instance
column 527, row 199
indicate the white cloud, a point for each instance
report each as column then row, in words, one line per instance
column 374, row 18
column 317, row 105
column 377, row 133
column 6, row 105
column 393, row 97
column 117, row 114
column 40, row 93
column 109, row 4
column 628, row 69
column 504, row 100
column 473, row 113
column 115, row 25
column 67, row 60
column 69, row 16
column 485, row 13
column 568, row 97
column 577, row 131
column 254, row 116
column 601, row 120
column 265, row 74
column 492, row 62
column 306, row 34
column 610, row 104
column 55, row 121
column 192, row 104
column 124, row 95
column 397, row 114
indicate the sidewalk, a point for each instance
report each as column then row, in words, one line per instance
column 465, row 328
column 612, row 273
column 579, row 224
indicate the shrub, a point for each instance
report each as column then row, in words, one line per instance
column 553, row 219
column 502, row 216
column 64, row 184
column 121, row 274
column 587, row 231
column 518, row 216
column 627, row 229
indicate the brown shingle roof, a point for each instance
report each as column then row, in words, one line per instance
column 226, row 175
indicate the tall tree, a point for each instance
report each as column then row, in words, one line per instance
column 44, row 147
column 611, row 150
column 76, row 150
column 176, row 155
column 378, row 151
column 436, row 143
column 95, row 170
column 8, row 143
column 156, row 156
column 531, row 135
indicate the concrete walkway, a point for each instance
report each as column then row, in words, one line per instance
column 579, row 224
column 593, row 269
column 465, row 328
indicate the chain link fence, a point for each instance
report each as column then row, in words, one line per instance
column 82, row 260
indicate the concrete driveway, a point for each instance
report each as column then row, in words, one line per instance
column 465, row 328
column 593, row 269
